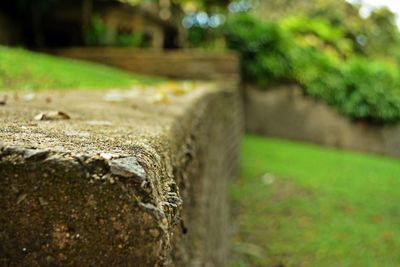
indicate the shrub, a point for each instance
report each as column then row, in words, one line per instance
column 319, row 33
column 96, row 35
column 262, row 47
column 319, row 74
column 372, row 91
column 360, row 88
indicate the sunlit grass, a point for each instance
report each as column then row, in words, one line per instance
column 21, row 69
column 303, row 205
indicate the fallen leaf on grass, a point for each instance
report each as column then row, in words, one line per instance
column 52, row 115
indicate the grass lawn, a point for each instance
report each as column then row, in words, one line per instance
column 304, row 205
column 21, row 69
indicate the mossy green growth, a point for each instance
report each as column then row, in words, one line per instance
column 24, row 70
column 303, row 205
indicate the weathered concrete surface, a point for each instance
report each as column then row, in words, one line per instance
column 285, row 112
column 127, row 183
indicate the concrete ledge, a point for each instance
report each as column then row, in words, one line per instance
column 285, row 112
column 128, row 183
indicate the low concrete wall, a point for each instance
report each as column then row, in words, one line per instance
column 130, row 183
column 284, row 112
column 179, row 64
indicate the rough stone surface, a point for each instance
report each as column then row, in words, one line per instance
column 285, row 112
column 128, row 167
column 127, row 183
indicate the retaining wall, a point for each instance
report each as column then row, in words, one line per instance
column 131, row 183
column 179, row 64
column 284, row 112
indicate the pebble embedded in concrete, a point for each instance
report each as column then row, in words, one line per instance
column 127, row 167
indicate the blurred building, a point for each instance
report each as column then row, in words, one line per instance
column 60, row 23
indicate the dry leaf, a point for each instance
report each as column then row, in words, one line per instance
column 160, row 97
column 52, row 115
column 3, row 102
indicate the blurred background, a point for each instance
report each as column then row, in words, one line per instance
column 320, row 79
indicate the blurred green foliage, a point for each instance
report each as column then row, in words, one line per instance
column 320, row 57
column 262, row 46
column 97, row 34
column 373, row 35
column 206, row 38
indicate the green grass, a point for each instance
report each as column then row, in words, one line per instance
column 324, row 207
column 22, row 69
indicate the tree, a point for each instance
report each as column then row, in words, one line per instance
column 376, row 35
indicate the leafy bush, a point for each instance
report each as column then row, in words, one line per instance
column 361, row 88
column 372, row 91
column 96, row 32
column 262, row 47
column 320, row 34
column 96, row 35
column 130, row 39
